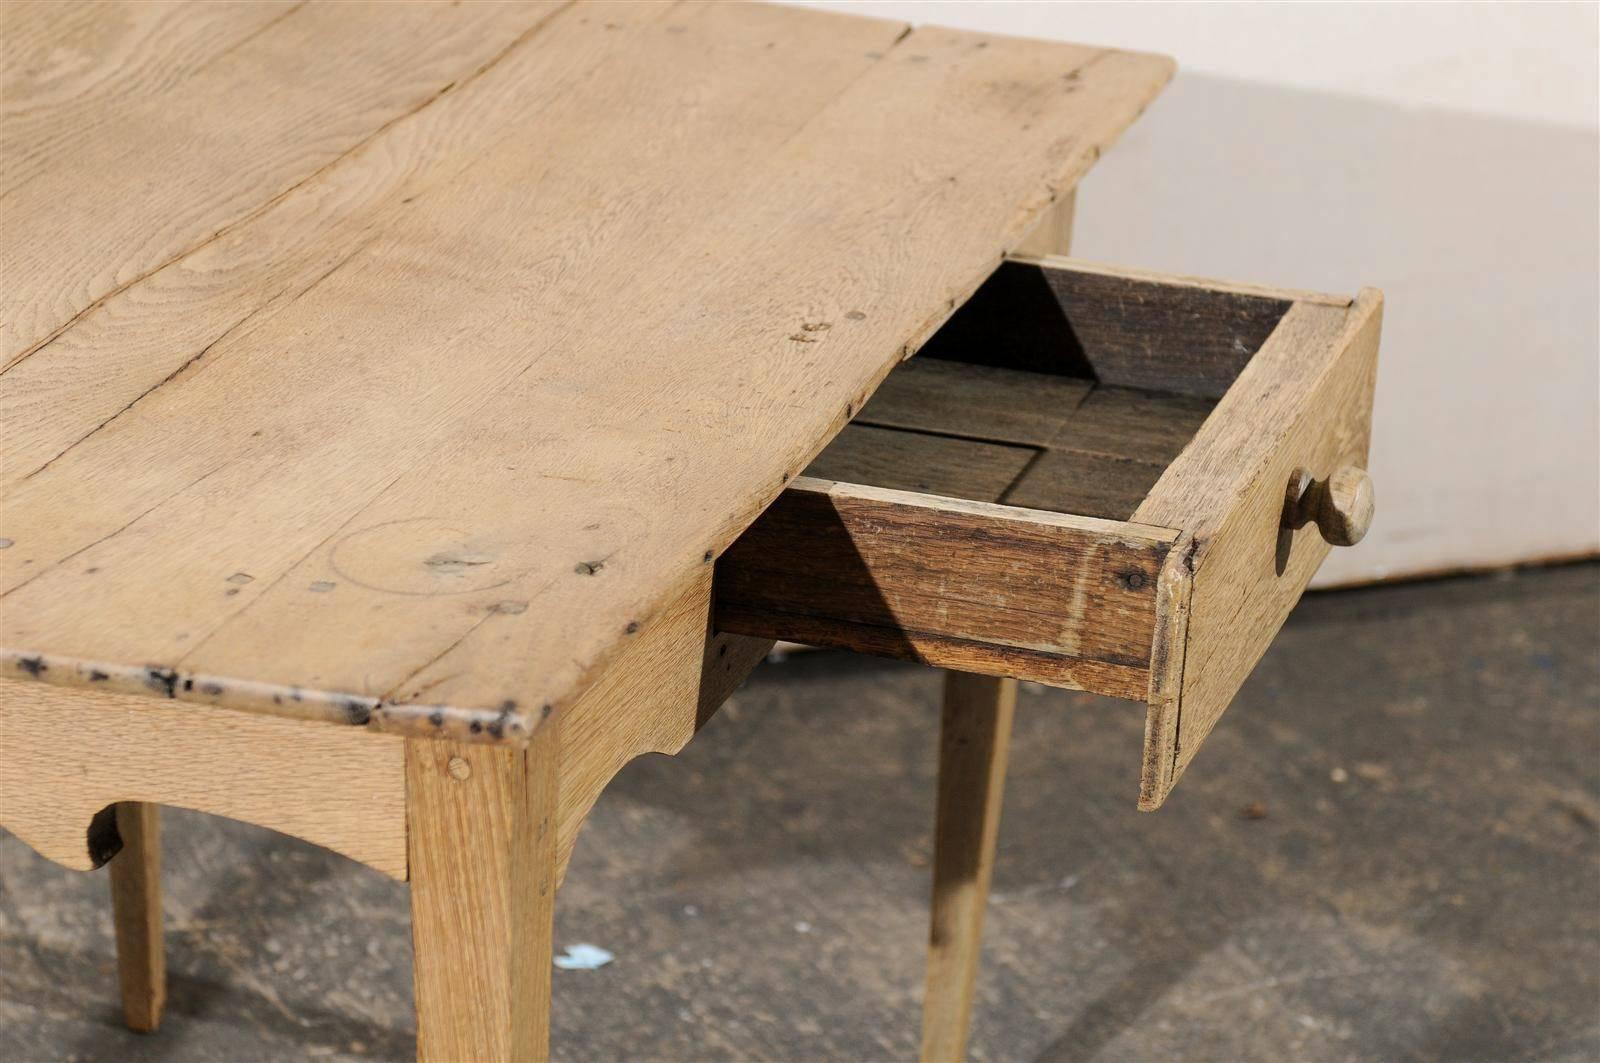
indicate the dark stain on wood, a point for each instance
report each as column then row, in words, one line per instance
column 162, row 680
column 497, row 726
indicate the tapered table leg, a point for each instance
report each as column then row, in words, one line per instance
column 482, row 843
column 975, row 735
column 136, row 911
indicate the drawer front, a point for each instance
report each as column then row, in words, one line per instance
column 1303, row 403
column 1081, row 481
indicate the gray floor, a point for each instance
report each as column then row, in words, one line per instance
column 1389, row 850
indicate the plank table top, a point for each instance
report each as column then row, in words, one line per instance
column 397, row 365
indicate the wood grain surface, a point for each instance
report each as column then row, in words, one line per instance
column 1134, row 424
column 974, row 748
column 69, row 754
column 1305, row 401
column 963, row 585
column 1119, row 327
column 136, row 915
column 1091, row 485
column 921, row 461
column 671, row 681
column 406, row 394
column 664, row 688
column 483, row 887
column 990, row 588
column 1028, row 438
column 975, row 401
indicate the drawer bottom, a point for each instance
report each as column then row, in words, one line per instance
column 1013, row 437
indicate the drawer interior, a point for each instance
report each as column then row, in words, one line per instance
column 1016, row 437
column 1060, row 390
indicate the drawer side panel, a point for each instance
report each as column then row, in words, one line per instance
column 1067, row 601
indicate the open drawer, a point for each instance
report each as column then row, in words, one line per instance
column 1091, row 478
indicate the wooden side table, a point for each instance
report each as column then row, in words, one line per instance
column 404, row 411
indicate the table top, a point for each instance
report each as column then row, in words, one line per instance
column 396, row 365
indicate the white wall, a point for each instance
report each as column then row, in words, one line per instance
column 1444, row 152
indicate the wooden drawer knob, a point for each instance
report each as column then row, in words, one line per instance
column 1341, row 506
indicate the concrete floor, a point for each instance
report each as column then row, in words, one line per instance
column 1389, row 850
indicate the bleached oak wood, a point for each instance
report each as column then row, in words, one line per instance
column 350, row 796
column 409, row 369
column 1053, row 233
column 68, row 754
column 672, row 680
column 1304, row 401
column 136, row 915
column 482, row 829
column 662, row 690
column 974, row 742
column 1340, row 505
column 74, row 237
column 377, row 468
